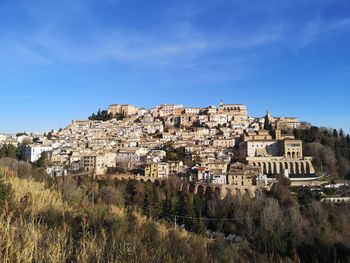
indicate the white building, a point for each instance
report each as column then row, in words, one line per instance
column 32, row 153
column 219, row 179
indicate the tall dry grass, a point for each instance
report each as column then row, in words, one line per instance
column 39, row 226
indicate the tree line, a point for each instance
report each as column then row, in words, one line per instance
column 276, row 222
column 329, row 148
column 104, row 115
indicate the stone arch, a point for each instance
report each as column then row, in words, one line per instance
column 149, row 181
column 270, row 166
column 208, row 190
column 288, row 166
column 275, row 167
column 163, row 184
column 301, row 168
column 156, row 182
column 238, row 193
column 297, row 168
column 292, row 168
column 308, row 169
column 142, row 181
column 265, row 168
column 284, row 166
column 217, row 191
column 185, row 187
column 192, row 188
column 281, row 167
column 293, row 155
column 228, row 192
column 288, row 154
column 200, row 189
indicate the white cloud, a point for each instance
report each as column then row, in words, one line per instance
column 318, row 28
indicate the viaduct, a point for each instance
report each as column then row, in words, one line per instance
column 192, row 187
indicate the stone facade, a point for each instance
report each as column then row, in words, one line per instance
column 124, row 109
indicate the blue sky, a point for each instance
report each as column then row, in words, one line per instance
column 62, row 60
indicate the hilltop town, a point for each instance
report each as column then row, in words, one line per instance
column 203, row 180
column 214, row 145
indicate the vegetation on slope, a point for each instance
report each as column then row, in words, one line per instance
column 66, row 220
column 330, row 149
column 40, row 224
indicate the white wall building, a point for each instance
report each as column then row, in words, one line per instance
column 32, row 153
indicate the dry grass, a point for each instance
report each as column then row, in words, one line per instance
column 41, row 227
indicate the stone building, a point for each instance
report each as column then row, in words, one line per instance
column 124, row 109
column 223, row 142
column 157, row 170
column 242, row 175
column 275, row 154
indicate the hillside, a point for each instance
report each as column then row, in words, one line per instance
column 38, row 225
column 329, row 148
column 65, row 221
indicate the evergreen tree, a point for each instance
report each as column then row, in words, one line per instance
column 156, row 201
column 8, row 150
column 146, row 204
column 267, row 123
column 11, row 151
column 185, row 210
column 335, row 133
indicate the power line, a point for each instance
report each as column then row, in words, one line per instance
column 220, row 219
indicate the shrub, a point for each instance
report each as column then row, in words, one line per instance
column 5, row 192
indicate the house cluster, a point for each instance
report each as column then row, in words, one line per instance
column 217, row 144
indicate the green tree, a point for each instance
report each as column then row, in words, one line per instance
column 11, row 151
column 267, row 122
column 185, row 211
